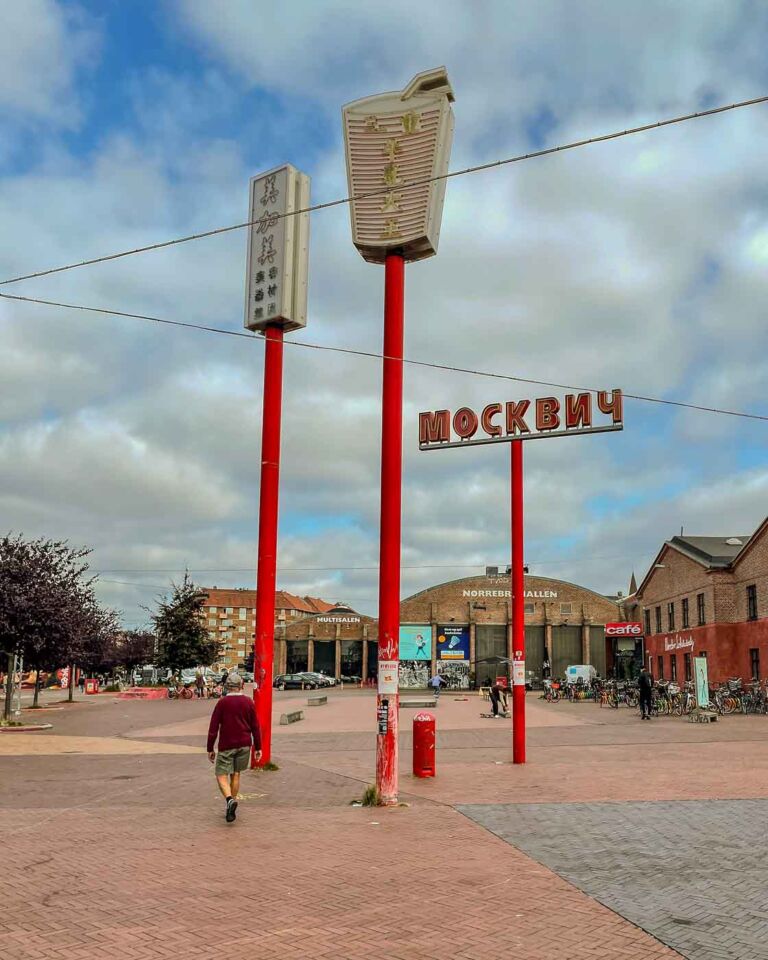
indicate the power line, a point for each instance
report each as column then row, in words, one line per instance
column 409, row 185
column 378, row 356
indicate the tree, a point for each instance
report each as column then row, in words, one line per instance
column 133, row 648
column 43, row 594
column 183, row 640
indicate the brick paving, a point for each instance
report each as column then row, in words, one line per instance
column 127, row 854
column 691, row 873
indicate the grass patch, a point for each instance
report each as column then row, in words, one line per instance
column 12, row 723
column 271, row 767
column 371, row 796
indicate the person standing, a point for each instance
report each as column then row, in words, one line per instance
column 235, row 725
column 645, row 685
column 200, row 682
column 436, row 682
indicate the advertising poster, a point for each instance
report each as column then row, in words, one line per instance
column 702, row 681
column 455, row 673
column 453, row 642
column 414, row 674
column 416, row 642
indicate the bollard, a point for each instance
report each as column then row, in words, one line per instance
column 424, row 737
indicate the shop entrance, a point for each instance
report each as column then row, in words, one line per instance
column 296, row 656
column 325, row 657
column 490, row 641
column 627, row 658
column 352, row 660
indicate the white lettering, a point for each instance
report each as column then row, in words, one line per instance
column 678, row 643
column 338, row 619
column 532, row 594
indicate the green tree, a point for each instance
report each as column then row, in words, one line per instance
column 182, row 638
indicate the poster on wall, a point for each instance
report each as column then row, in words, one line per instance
column 455, row 673
column 416, row 642
column 414, row 673
column 702, row 682
column 453, row 642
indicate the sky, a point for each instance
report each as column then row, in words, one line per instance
column 638, row 264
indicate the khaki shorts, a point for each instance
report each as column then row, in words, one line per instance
column 232, row 761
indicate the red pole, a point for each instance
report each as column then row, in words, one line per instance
column 518, row 607
column 268, row 500
column 388, row 699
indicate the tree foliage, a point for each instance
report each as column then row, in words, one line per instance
column 183, row 640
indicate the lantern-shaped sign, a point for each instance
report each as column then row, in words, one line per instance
column 278, row 245
column 395, row 144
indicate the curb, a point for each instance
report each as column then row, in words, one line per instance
column 27, row 728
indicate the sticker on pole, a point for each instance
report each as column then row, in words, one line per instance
column 382, row 717
column 388, row 676
column 518, row 673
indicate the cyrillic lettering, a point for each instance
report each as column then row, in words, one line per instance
column 578, row 410
column 465, row 423
column 546, row 413
column 435, row 427
column 612, row 406
column 515, row 414
column 492, row 410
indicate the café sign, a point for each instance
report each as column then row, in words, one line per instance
column 623, row 629
column 577, row 414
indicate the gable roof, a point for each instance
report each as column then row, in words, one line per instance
column 711, row 552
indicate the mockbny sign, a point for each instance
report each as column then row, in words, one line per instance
column 623, row 629
column 278, row 250
column 502, row 422
column 394, row 140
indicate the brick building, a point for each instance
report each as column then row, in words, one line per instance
column 469, row 620
column 230, row 616
column 338, row 642
column 707, row 596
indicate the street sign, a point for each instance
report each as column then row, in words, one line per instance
column 393, row 140
column 278, row 250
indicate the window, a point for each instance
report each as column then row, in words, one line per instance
column 700, row 608
column 658, row 619
column 686, row 613
column 243, row 612
column 754, row 663
column 671, row 615
column 688, row 666
column 647, row 623
column 566, row 608
column 211, row 623
column 228, row 610
column 530, row 608
column 241, row 629
column 752, row 602
column 661, row 667
column 212, row 609
column 673, row 666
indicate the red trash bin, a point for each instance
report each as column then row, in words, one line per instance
column 91, row 686
column 424, row 737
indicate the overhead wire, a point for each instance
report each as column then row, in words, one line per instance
column 379, row 356
column 408, row 185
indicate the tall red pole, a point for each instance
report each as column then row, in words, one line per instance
column 388, row 699
column 518, row 607
column 268, row 502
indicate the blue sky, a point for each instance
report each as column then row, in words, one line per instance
column 638, row 264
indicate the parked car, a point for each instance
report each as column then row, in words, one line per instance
column 351, row 679
column 322, row 679
column 295, row 681
column 247, row 676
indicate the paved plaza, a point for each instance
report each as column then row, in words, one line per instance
column 618, row 839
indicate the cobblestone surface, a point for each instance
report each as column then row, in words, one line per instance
column 691, row 873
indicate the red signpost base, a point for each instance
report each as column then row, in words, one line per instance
column 388, row 700
column 518, row 606
column 268, row 513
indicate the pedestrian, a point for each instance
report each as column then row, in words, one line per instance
column 645, row 684
column 236, row 726
column 498, row 695
column 81, row 682
column 200, row 683
column 223, row 681
column 436, row 682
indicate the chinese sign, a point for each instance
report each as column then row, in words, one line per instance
column 396, row 144
column 452, row 643
column 278, row 249
column 498, row 422
column 416, row 642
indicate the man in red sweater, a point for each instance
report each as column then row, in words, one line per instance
column 235, row 723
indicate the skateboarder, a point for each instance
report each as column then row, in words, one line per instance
column 498, row 697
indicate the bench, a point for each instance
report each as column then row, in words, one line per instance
column 292, row 717
column 317, row 701
column 421, row 702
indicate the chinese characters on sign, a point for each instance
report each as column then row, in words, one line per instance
column 398, row 146
column 278, row 242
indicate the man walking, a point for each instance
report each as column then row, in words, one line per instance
column 645, row 685
column 235, row 724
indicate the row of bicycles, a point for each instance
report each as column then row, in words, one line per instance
column 667, row 698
